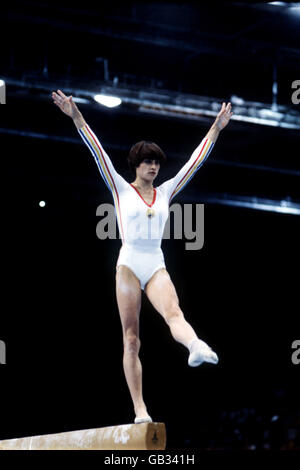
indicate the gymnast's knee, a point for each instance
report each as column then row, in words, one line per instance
column 173, row 313
column 132, row 343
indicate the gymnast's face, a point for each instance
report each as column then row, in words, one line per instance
column 148, row 169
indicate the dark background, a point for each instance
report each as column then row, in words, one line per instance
column 59, row 315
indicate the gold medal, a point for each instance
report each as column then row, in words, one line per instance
column 150, row 212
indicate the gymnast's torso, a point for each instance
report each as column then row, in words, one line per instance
column 141, row 224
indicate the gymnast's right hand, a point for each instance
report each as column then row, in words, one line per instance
column 65, row 104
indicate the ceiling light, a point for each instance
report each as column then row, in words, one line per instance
column 277, row 4
column 108, row 101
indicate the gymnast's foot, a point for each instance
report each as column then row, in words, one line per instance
column 200, row 352
column 142, row 416
column 143, row 420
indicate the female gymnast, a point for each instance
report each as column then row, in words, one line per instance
column 142, row 211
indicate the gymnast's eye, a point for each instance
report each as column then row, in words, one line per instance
column 149, row 161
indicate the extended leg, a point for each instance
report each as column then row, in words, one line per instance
column 162, row 294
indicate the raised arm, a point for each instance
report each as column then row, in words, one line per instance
column 112, row 179
column 220, row 123
column 173, row 186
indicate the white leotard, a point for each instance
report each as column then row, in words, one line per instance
column 142, row 235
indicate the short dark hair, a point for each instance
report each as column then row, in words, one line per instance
column 142, row 150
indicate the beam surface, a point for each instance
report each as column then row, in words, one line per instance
column 144, row 436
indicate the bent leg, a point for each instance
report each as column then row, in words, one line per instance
column 128, row 293
column 161, row 292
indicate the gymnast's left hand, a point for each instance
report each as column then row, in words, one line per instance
column 224, row 116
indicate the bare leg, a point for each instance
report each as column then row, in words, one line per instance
column 162, row 294
column 128, row 293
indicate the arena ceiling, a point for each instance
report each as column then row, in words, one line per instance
column 173, row 64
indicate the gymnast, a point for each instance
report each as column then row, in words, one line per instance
column 142, row 211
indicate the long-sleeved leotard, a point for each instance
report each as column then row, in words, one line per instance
column 142, row 235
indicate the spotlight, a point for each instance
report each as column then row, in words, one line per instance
column 278, row 4
column 42, row 203
column 108, row 101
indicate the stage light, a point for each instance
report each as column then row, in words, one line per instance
column 2, row 82
column 42, row 203
column 108, row 101
column 292, row 7
column 278, row 4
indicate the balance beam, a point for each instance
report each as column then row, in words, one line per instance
column 143, row 436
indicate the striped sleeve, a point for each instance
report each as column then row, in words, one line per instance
column 173, row 186
column 112, row 179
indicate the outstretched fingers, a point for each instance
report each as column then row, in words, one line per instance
column 224, row 115
column 226, row 109
column 61, row 94
column 60, row 99
column 56, row 98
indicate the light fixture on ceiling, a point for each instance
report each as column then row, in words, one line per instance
column 108, row 101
